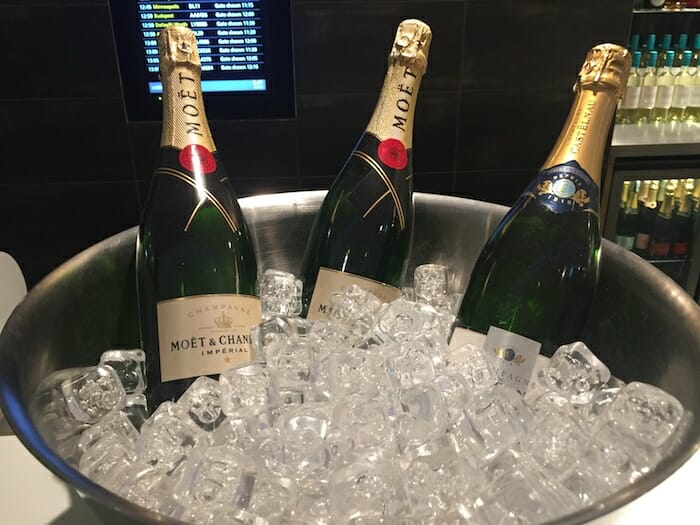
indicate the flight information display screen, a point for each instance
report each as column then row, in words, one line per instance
column 244, row 48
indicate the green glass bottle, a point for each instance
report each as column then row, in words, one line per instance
column 664, row 90
column 630, row 100
column 195, row 262
column 628, row 223
column 681, row 224
column 647, row 215
column 534, row 280
column 363, row 230
column 662, row 231
column 647, row 93
column 682, row 90
column 664, row 48
column 680, row 46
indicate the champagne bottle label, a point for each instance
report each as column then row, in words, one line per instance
column 659, row 249
column 206, row 334
column 331, row 281
column 679, row 249
column 565, row 188
column 512, row 355
column 641, row 241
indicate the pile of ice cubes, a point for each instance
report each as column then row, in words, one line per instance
column 366, row 417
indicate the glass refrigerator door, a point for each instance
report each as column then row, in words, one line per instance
column 652, row 197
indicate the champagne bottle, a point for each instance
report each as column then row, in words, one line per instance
column 196, row 266
column 647, row 215
column 363, row 230
column 682, row 226
column 628, row 224
column 662, row 232
column 533, row 282
column 644, row 187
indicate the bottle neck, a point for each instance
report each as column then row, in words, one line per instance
column 184, row 119
column 666, row 210
column 395, row 109
column 584, row 137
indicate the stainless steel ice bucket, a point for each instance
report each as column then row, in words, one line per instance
column 644, row 327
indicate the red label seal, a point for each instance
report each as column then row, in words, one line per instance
column 197, row 158
column 392, row 153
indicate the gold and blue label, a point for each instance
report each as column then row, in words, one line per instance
column 565, row 188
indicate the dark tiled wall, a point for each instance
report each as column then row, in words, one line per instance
column 74, row 171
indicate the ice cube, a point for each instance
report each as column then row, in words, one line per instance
column 214, row 476
column 168, row 438
column 355, row 308
column 93, row 392
column 235, row 432
column 439, row 480
column 367, row 487
column 573, row 372
column 422, row 415
column 280, row 293
column 430, row 282
column 357, row 371
column 295, row 360
column 272, row 497
column 148, row 487
column 130, row 366
column 495, row 420
column 555, row 441
column 418, row 360
column 472, row 364
column 202, row 402
column 115, row 425
column 106, row 460
column 249, row 388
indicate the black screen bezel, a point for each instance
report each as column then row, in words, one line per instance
column 277, row 102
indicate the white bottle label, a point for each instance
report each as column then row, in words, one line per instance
column 681, row 96
column 205, row 334
column 331, row 281
column 513, row 356
column 647, row 97
column 694, row 101
column 664, row 96
column 631, row 98
column 463, row 336
column 626, row 241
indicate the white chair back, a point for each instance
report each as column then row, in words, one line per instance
column 13, row 288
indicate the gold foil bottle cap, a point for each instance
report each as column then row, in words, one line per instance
column 606, row 65
column 411, row 44
column 177, row 46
